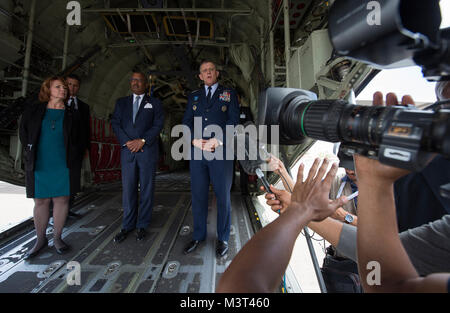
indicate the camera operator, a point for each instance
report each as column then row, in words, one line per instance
column 428, row 245
column 280, row 235
column 427, row 203
column 377, row 219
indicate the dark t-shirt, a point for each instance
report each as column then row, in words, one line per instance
column 417, row 195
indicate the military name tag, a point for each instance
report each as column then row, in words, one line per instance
column 224, row 108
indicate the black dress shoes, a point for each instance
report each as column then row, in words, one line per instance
column 73, row 215
column 36, row 252
column 222, row 248
column 121, row 236
column 140, row 234
column 191, row 246
column 63, row 249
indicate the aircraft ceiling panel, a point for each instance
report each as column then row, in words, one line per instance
column 136, row 23
column 147, row 50
column 297, row 11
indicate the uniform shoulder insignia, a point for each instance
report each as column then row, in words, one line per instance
column 195, row 96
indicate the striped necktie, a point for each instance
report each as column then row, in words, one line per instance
column 136, row 107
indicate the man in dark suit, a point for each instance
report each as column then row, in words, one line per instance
column 84, row 137
column 214, row 105
column 137, row 121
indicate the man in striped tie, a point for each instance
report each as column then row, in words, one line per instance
column 137, row 122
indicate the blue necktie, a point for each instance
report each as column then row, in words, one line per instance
column 136, row 107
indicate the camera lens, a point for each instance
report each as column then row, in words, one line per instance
column 364, row 124
column 338, row 120
column 320, row 119
column 399, row 136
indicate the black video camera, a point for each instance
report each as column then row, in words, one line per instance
column 399, row 136
column 391, row 34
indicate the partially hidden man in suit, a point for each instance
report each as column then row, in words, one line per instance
column 137, row 121
column 213, row 104
column 84, row 136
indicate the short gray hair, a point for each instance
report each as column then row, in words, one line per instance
column 206, row 61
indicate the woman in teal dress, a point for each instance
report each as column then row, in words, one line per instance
column 51, row 175
column 47, row 132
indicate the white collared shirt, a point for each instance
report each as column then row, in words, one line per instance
column 213, row 89
column 73, row 100
column 140, row 100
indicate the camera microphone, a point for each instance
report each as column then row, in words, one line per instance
column 251, row 156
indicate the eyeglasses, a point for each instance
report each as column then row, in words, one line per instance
column 206, row 70
column 140, row 80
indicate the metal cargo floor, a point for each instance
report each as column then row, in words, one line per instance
column 156, row 264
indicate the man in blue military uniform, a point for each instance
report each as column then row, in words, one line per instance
column 137, row 122
column 212, row 105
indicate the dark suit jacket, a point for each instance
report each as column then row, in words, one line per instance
column 82, row 114
column 85, row 128
column 148, row 124
column 29, row 133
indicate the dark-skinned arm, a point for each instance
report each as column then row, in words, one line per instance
column 261, row 263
